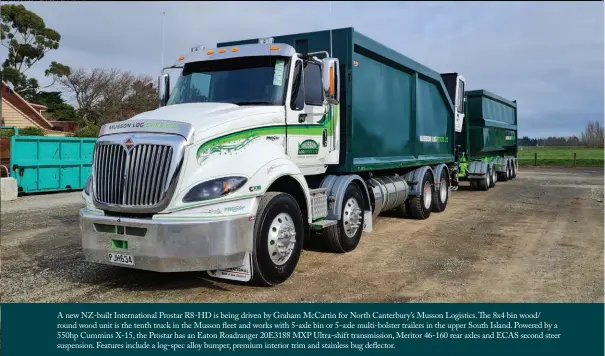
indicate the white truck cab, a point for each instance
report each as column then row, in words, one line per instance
column 214, row 179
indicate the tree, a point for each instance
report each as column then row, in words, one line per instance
column 593, row 134
column 108, row 95
column 55, row 105
column 25, row 35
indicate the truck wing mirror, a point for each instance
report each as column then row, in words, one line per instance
column 163, row 89
column 331, row 79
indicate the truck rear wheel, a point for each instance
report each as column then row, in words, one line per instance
column 278, row 237
column 514, row 165
column 344, row 236
column 419, row 206
column 494, row 177
column 441, row 198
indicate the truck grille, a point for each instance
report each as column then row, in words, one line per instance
column 136, row 178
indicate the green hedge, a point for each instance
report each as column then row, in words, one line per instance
column 87, row 131
column 26, row 131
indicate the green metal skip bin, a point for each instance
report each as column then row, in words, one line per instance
column 46, row 164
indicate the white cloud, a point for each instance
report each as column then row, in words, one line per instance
column 548, row 56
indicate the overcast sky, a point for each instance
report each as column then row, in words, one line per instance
column 547, row 56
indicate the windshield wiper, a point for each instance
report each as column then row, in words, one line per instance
column 252, row 103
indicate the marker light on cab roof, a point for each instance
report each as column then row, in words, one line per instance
column 274, row 48
column 210, row 52
column 222, row 50
column 181, row 58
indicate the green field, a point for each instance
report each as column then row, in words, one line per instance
column 561, row 156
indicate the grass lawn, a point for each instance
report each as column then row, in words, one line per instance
column 561, row 156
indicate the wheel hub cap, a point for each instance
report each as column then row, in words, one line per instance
column 443, row 191
column 428, row 195
column 282, row 238
column 352, row 217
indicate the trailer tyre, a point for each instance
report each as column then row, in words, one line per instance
column 494, row 177
column 441, row 198
column 420, row 206
column 278, row 238
column 344, row 236
column 485, row 183
column 514, row 165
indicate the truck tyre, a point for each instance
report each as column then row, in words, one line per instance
column 514, row 165
column 504, row 176
column 509, row 169
column 494, row 177
column 485, row 183
column 344, row 236
column 419, row 206
column 440, row 199
column 278, row 238
column 401, row 212
column 474, row 184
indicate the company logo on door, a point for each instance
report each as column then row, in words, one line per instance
column 308, row 147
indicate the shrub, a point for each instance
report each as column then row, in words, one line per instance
column 26, row 131
column 31, row 131
column 87, row 131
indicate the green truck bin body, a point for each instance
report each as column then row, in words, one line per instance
column 490, row 125
column 394, row 112
column 46, row 164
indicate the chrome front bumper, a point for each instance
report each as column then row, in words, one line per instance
column 168, row 246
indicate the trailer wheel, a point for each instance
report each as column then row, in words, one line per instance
column 514, row 165
column 504, row 176
column 509, row 169
column 474, row 184
column 493, row 177
column 485, row 183
column 419, row 206
column 344, row 236
column 441, row 198
column 278, row 237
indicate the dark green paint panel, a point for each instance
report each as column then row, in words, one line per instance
column 387, row 102
column 491, row 125
column 381, row 113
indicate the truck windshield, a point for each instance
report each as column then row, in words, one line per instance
column 260, row 80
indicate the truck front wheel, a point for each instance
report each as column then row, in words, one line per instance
column 345, row 236
column 278, row 237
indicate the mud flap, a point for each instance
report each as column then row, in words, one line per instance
column 367, row 221
column 242, row 273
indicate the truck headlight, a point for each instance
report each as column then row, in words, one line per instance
column 214, row 189
column 88, row 185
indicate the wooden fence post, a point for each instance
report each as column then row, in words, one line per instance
column 574, row 159
column 535, row 158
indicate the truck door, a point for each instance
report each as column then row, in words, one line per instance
column 307, row 132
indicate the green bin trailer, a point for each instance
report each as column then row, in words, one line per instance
column 488, row 141
column 260, row 142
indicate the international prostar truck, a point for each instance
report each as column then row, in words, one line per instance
column 262, row 144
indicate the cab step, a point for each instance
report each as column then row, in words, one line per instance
column 322, row 224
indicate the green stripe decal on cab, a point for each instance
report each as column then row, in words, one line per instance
column 246, row 136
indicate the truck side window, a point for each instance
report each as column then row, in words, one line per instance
column 461, row 97
column 314, row 93
column 297, row 100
